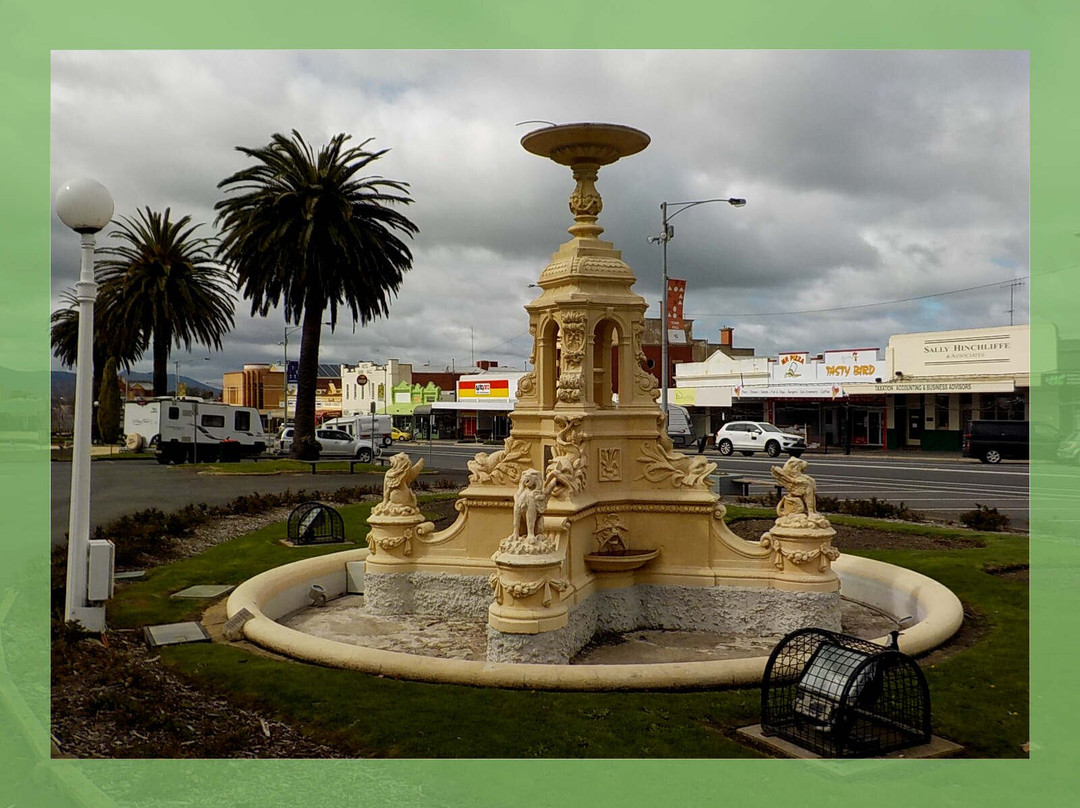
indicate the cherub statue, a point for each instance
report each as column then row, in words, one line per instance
column 530, row 502
column 398, row 498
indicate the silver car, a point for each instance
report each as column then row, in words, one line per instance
column 334, row 443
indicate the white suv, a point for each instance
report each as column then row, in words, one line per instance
column 335, row 443
column 748, row 437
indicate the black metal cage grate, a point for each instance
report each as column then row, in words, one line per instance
column 315, row 523
column 842, row 696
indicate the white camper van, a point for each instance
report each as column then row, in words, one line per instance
column 364, row 426
column 185, row 429
column 679, row 427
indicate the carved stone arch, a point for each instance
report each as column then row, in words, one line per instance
column 548, row 360
column 607, row 360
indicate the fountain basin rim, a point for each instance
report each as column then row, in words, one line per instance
column 939, row 617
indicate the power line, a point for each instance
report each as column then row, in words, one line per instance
column 861, row 305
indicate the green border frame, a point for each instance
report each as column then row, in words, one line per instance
column 1045, row 28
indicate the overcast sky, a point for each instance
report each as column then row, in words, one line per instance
column 871, row 177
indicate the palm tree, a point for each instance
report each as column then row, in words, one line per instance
column 113, row 338
column 307, row 232
column 168, row 285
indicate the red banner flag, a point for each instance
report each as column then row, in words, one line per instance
column 676, row 291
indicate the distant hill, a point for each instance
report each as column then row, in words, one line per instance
column 17, row 383
column 63, row 383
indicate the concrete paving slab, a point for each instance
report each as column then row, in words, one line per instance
column 204, row 591
column 937, row 748
column 175, row 634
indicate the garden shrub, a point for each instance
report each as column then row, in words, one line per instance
column 985, row 518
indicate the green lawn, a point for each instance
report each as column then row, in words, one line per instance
column 979, row 694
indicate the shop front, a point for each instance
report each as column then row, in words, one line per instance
column 940, row 380
column 482, row 410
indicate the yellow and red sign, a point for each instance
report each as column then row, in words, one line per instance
column 493, row 388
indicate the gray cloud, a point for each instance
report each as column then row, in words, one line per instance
column 871, row 176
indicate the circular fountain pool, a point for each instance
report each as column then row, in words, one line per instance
column 341, row 634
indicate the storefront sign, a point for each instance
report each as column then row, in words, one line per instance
column 790, row 365
column 700, row 396
column 894, row 388
column 860, row 364
column 685, row 396
column 964, row 352
column 1069, row 378
column 834, row 367
column 495, row 388
column 829, row 391
column 981, row 348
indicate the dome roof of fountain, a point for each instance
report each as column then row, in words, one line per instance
column 576, row 264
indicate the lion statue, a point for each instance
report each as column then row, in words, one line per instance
column 530, row 502
column 398, row 498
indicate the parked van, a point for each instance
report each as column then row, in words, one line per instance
column 994, row 441
column 679, row 427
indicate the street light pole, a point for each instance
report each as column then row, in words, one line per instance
column 285, row 375
column 667, row 232
column 86, row 207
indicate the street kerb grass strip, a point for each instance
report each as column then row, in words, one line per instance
column 978, row 683
column 285, row 466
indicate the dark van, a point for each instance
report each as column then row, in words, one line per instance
column 993, row 441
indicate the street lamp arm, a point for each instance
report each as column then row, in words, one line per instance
column 666, row 234
column 735, row 202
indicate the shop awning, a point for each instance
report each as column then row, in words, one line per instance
column 474, row 406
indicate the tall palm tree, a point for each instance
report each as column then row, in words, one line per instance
column 168, row 285
column 305, row 231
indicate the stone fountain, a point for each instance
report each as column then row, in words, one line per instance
column 587, row 519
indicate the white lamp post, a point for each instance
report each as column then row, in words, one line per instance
column 86, row 207
column 667, row 232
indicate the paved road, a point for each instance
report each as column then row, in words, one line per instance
column 120, row 487
column 940, row 488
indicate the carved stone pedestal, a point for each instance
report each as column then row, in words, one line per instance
column 391, row 537
column 528, row 591
column 803, row 557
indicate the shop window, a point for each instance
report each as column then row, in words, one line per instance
column 1003, row 408
column 966, row 409
column 941, row 411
